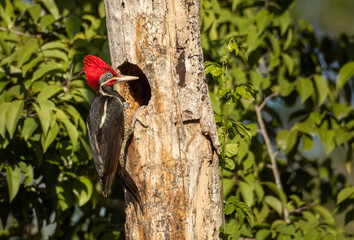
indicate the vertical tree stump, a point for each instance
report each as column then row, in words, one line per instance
column 174, row 161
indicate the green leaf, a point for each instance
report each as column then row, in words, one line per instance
column 29, row 126
column 46, row 21
column 307, row 143
column 345, row 194
column 48, row 92
column 274, row 203
column 321, row 88
column 13, row 175
column 327, row 137
column 286, row 139
column 276, row 190
column 56, row 54
column 244, row 92
column 232, row 45
column 31, row 64
column 45, row 69
column 52, row 8
column 27, row 50
column 45, row 115
column 305, row 88
column 262, row 234
column 70, row 128
column 229, row 208
column 83, row 190
column 285, row 229
column 35, row 12
column 229, row 164
column 3, row 111
column 12, row 116
column 259, row 192
column 231, row 149
column 72, row 26
column 27, row 171
column 344, row 74
column 263, row 18
column 324, row 213
column 289, row 63
column 54, row 45
column 50, row 137
column 246, row 192
column 228, row 185
column 86, row 94
column 289, row 39
column 7, row 13
column 285, row 87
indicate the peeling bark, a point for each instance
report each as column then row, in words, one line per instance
column 174, row 161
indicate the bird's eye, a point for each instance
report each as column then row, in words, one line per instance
column 109, row 75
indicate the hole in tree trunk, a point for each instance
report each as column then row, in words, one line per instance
column 134, row 91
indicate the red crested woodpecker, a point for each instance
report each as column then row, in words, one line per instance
column 108, row 126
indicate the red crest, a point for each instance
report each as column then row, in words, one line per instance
column 94, row 68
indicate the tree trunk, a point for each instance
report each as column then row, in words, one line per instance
column 174, row 161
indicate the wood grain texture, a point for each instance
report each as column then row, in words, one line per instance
column 174, row 161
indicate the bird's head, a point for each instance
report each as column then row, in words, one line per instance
column 98, row 72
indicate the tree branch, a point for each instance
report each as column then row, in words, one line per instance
column 265, row 101
column 16, row 32
column 272, row 155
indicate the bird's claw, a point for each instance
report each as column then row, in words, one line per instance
column 136, row 118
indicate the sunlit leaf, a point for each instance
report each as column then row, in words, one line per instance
column 48, row 92
column 276, row 190
column 13, row 176
column 27, row 50
column 305, row 88
column 3, row 111
column 83, row 190
column 71, row 129
column 52, row 8
column 29, row 126
column 45, row 69
column 344, row 74
column 321, row 88
column 50, row 137
column 345, row 194
column 72, row 26
column 246, row 192
column 274, row 203
column 35, row 12
column 12, row 116
column 27, row 171
column 231, row 149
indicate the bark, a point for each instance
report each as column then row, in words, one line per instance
column 174, row 161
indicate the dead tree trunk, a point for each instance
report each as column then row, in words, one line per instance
column 174, row 161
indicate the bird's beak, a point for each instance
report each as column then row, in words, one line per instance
column 124, row 78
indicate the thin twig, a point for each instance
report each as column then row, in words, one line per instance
column 272, row 155
column 222, row 169
column 16, row 32
column 265, row 101
column 72, row 78
column 300, row 209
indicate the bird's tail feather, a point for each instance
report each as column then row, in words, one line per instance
column 129, row 184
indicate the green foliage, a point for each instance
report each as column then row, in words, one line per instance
column 264, row 67
column 255, row 53
column 47, row 178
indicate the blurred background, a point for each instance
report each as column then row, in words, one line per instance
column 299, row 55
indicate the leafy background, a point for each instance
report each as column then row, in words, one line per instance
column 283, row 103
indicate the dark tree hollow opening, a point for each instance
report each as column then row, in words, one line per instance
column 139, row 90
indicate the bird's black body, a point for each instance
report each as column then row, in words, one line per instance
column 107, row 134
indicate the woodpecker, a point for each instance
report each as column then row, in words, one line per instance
column 108, row 126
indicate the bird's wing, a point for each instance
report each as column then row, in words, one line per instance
column 107, row 138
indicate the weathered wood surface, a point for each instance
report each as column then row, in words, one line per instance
column 174, row 161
